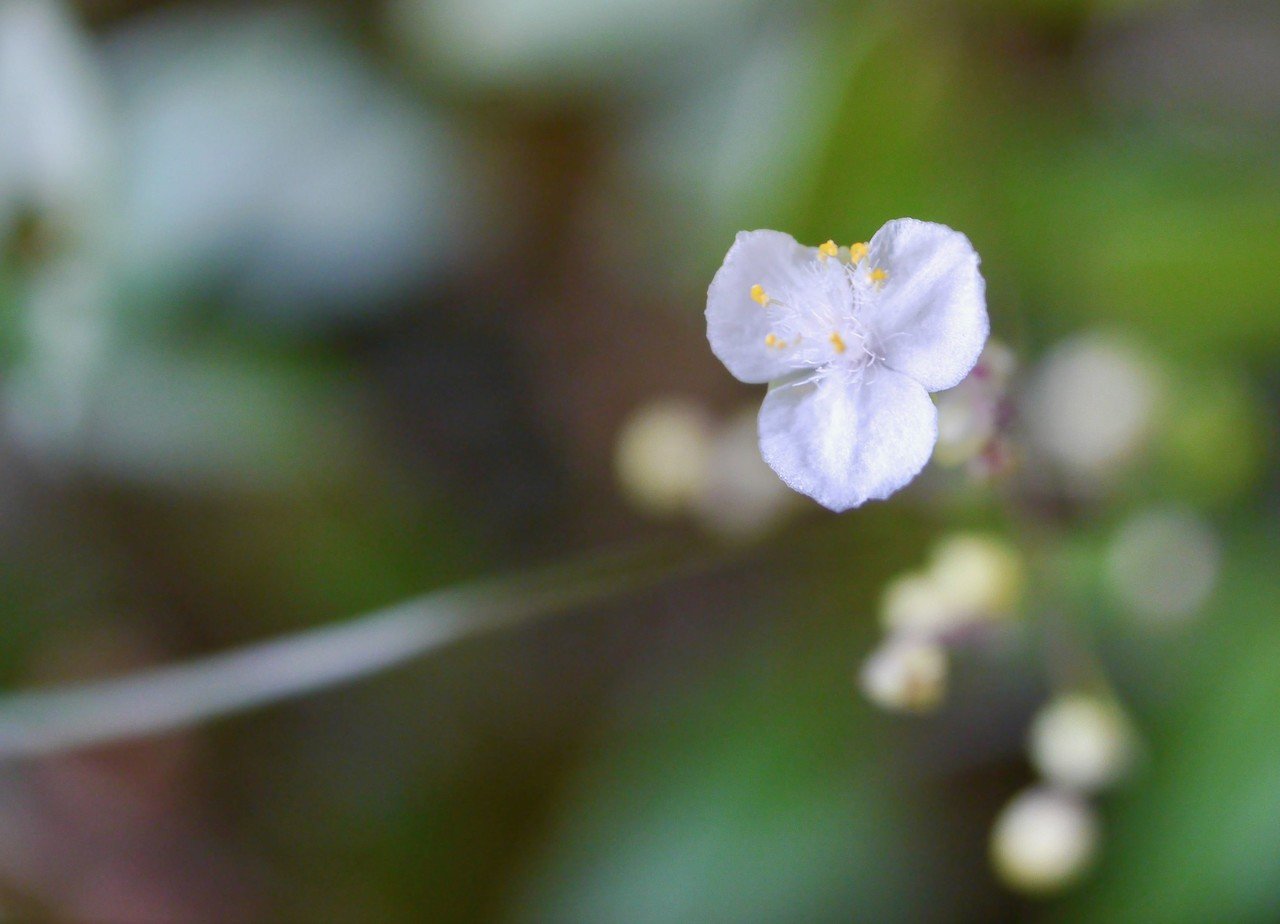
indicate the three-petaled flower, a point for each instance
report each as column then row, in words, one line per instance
column 851, row 340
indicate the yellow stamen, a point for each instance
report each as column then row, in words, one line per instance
column 857, row 252
column 829, row 249
column 758, row 296
column 878, row 276
column 837, row 341
column 771, row 340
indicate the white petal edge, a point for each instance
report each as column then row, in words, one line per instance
column 736, row 324
column 931, row 314
column 842, row 442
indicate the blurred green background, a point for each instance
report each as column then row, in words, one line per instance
column 308, row 308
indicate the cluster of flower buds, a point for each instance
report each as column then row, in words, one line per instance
column 975, row 416
column 973, row 583
column 1047, row 836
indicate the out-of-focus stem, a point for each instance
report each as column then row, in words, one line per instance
column 176, row 696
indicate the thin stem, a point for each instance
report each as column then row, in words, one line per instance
column 176, row 696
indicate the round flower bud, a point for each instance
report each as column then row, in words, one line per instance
column 1043, row 840
column 662, row 454
column 997, row 364
column 970, row 415
column 1081, row 742
column 914, row 604
column 966, row 425
column 982, row 577
column 905, row 674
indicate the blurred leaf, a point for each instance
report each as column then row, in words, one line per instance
column 1131, row 232
column 192, row 420
column 728, row 800
column 1197, row 837
column 894, row 151
column 263, row 155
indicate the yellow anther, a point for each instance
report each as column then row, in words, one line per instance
column 829, row 249
column 837, row 341
column 771, row 340
column 878, row 276
column 758, row 296
column 857, row 252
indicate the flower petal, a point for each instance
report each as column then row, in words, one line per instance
column 736, row 324
column 931, row 314
column 844, row 440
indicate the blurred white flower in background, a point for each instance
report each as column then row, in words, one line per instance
column 261, row 152
column 1082, row 742
column 1092, row 406
column 56, row 148
column 982, row 576
column 251, row 152
column 1044, row 840
column 1163, row 564
column 851, row 340
column 57, row 154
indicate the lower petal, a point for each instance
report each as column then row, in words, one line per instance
column 844, row 440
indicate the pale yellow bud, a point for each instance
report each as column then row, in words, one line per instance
column 981, row 576
column 905, row 674
column 915, row 604
column 1081, row 742
column 661, row 456
column 1043, row 840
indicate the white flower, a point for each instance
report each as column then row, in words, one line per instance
column 851, row 340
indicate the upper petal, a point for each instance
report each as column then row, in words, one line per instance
column 844, row 441
column 736, row 324
column 931, row 311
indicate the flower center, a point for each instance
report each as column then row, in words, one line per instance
column 820, row 320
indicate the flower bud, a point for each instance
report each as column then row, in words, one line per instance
column 661, row 456
column 1081, row 742
column 905, row 674
column 915, row 604
column 981, row 576
column 1043, row 840
column 971, row 415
